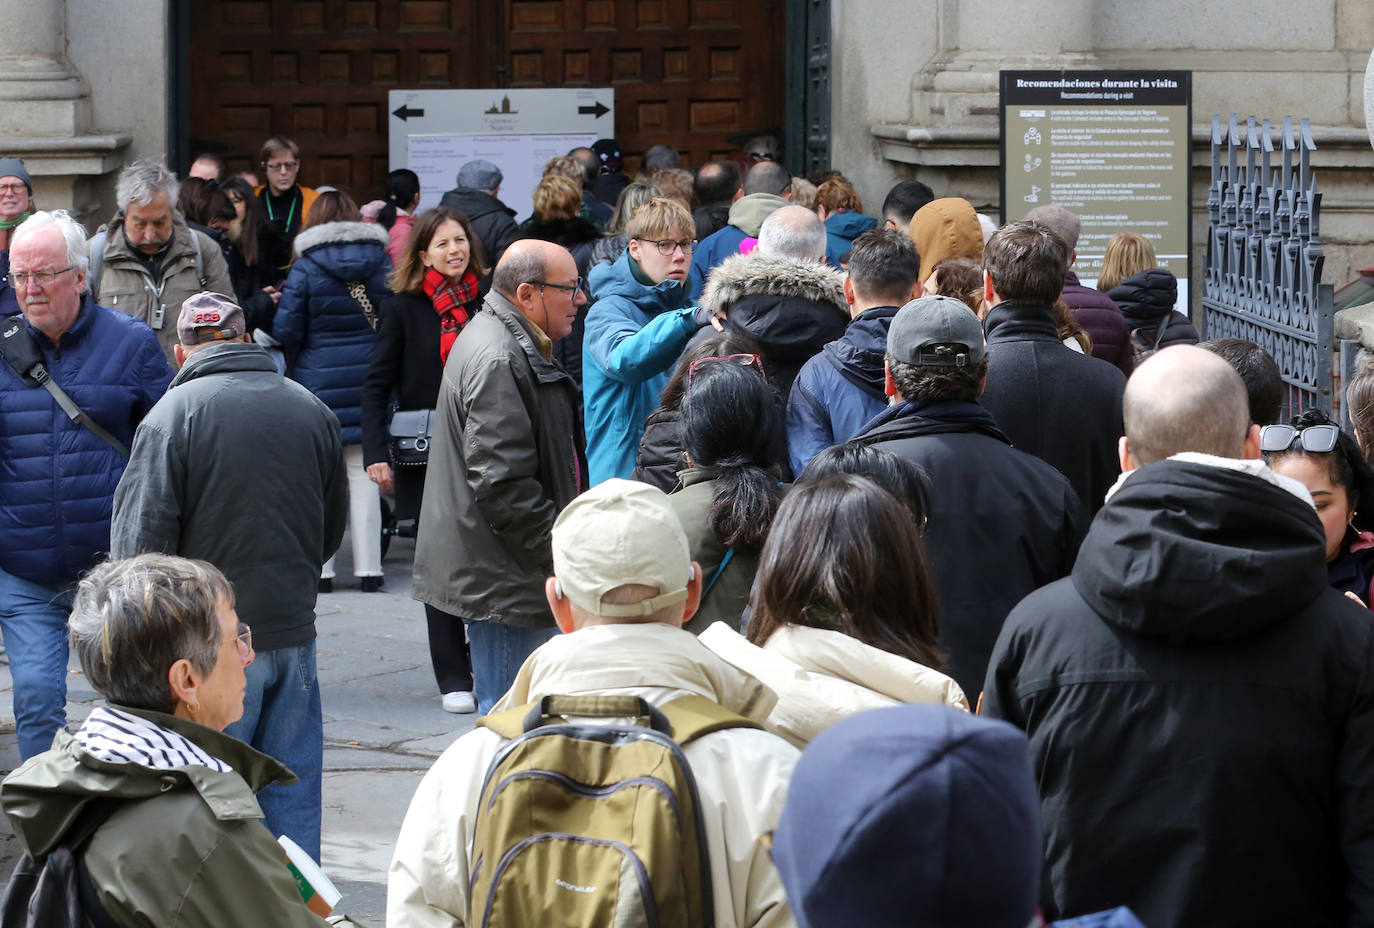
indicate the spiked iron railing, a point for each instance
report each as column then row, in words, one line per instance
column 1263, row 277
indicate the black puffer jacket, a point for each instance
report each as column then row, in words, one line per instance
column 660, row 450
column 1053, row 402
column 1200, row 708
column 790, row 307
column 1147, row 300
column 1001, row 522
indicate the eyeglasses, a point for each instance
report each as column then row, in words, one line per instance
column 42, row 278
column 743, row 360
column 1315, row 439
column 282, row 166
column 761, row 155
column 244, row 640
column 571, row 288
column 13, row 188
column 667, row 246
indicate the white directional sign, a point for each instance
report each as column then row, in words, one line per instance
column 433, row 132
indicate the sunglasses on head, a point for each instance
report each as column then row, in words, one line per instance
column 1314, row 439
column 744, row 360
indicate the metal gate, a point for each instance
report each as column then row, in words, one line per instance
column 1263, row 277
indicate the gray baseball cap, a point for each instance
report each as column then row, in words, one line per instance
column 936, row 331
column 479, row 175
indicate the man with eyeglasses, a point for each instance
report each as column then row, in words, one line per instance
column 505, row 458
column 231, row 429
column 286, row 202
column 59, row 477
column 16, row 205
column 642, row 318
column 1199, row 701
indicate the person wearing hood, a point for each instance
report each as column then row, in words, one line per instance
column 1146, row 294
column 181, row 842
column 475, row 196
column 147, row 260
column 945, row 228
column 839, row 207
column 782, row 294
column 328, row 316
column 767, row 187
column 641, row 320
column 623, row 583
column 16, row 205
column 1002, row 523
column 208, row 432
column 1051, row 401
column 1199, row 702
column 841, row 389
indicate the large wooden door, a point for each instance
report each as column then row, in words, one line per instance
column 687, row 73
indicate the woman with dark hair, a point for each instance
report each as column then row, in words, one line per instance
column 897, row 475
column 206, row 209
column 844, row 611
column 328, row 314
column 257, row 264
column 397, row 216
column 1317, row 453
column 731, row 425
column 436, row 293
column 660, row 448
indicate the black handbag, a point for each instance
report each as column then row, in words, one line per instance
column 410, row 430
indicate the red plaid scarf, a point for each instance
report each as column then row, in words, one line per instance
column 448, row 300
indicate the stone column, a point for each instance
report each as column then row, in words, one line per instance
column 45, row 111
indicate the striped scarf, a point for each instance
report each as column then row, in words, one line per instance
column 121, row 738
column 448, row 299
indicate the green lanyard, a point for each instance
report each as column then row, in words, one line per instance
column 290, row 213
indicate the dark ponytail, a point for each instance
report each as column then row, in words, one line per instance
column 401, row 189
column 732, row 421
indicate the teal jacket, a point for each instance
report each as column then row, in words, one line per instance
column 634, row 335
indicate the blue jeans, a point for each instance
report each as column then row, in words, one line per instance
column 33, row 620
column 282, row 717
column 497, row 653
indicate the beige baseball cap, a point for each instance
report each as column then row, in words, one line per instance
column 619, row 532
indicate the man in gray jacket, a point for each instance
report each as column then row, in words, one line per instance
column 507, row 455
column 243, row 468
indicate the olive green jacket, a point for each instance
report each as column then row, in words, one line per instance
column 186, row 849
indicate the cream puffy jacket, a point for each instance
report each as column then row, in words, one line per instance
column 822, row 676
column 742, row 774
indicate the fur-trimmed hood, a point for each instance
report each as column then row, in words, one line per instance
column 757, row 274
column 340, row 233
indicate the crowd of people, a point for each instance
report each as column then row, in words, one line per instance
column 806, row 567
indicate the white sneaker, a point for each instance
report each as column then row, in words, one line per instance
column 460, row 702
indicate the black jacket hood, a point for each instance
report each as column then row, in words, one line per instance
column 1146, row 297
column 1197, row 552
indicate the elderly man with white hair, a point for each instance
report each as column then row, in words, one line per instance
column 77, row 380
column 783, row 294
column 146, row 261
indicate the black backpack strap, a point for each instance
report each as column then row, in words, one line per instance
column 96, row 815
column 23, row 357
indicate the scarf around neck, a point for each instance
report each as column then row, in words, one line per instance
column 448, row 299
column 8, row 225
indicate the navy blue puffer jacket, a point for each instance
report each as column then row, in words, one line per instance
column 57, row 480
column 319, row 318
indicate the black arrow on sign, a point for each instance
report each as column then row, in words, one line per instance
column 598, row 110
column 404, row 112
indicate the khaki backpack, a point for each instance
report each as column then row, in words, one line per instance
column 593, row 824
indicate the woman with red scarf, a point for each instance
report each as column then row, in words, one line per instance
column 436, row 292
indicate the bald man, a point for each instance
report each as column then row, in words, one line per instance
column 506, row 456
column 1199, row 702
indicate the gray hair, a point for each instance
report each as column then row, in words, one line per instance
column 133, row 619
column 793, row 231
column 142, row 181
column 78, row 251
column 1064, row 223
column 518, row 266
column 662, row 157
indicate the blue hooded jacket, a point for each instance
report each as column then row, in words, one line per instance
column 839, row 390
column 842, row 228
column 321, row 319
column 634, row 334
column 57, row 479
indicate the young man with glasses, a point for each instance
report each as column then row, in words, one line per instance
column 642, row 318
column 286, row 202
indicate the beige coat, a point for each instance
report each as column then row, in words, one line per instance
column 822, row 676
column 742, row 775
